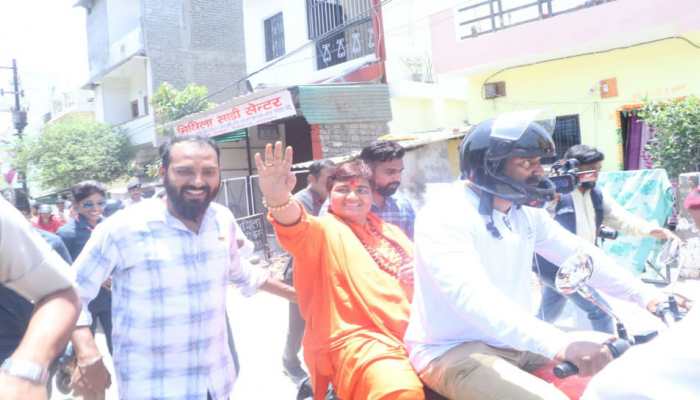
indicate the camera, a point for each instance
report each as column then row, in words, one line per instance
column 606, row 232
column 564, row 175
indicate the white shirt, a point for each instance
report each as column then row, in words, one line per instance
column 169, row 298
column 470, row 286
column 614, row 216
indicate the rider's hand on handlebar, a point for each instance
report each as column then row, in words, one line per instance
column 684, row 303
column 589, row 356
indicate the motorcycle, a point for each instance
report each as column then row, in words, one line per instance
column 572, row 277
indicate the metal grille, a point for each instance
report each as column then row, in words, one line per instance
column 324, row 16
column 477, row 17
column 274, row 37
column 567, row 133
column 342, row 30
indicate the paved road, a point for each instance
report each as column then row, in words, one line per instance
column 260, row 327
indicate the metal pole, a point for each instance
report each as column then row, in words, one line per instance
column 16, row 87
column 20, row 120
column 249, row 180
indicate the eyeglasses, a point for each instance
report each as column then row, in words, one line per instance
column 89, row 204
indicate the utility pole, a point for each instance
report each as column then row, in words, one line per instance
column 19, row 116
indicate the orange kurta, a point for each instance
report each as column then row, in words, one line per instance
column 356, row 314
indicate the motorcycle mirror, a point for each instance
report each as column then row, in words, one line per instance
column 668, row 255
column 574, row 273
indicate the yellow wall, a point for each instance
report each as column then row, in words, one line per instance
column 413, row 114
column 666, row 69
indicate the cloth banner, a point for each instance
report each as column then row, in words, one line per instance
column 646, row 193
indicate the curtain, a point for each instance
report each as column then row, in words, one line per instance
column 633, row 144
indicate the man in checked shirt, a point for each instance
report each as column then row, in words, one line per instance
column 170, row 262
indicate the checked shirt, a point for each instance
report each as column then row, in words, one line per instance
column 169, row 299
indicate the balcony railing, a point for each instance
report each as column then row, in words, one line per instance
column 342, row 29
column 477, row 17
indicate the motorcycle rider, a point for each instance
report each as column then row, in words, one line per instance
column 582, row 212
column 473, row 331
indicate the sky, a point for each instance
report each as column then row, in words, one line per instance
column 47, row 38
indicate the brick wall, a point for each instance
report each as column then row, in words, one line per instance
column 195, row 41
column 342, row 139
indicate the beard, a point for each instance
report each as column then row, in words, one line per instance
column 388, row 190
column 191, row 210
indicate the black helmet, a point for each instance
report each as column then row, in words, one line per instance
column 487, row 147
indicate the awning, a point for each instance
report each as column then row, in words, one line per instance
column 231, row 137
column 318, row 104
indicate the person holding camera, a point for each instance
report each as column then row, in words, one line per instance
column 583, row 212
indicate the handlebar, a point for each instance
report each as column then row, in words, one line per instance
column 567, row 368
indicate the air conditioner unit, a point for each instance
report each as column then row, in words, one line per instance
column 494, row 89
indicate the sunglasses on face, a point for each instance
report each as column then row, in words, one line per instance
column 89, row 204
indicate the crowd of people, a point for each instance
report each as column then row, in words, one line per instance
column 386, row 302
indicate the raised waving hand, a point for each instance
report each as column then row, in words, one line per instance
column 277, row 181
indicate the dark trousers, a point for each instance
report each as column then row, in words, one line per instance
column 295, row 334
column 295, row 331
column 105, row 318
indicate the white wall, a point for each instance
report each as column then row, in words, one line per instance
column 421, row 100
column 291, row 70
column 115, row 101
column 123, row 16
column 138, row 86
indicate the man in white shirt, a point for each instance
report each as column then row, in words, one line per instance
column 473, row 333
column 582, row 212
column 135, row 193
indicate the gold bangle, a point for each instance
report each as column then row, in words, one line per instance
column 281, row 207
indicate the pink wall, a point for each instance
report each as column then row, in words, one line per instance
column 609, row 25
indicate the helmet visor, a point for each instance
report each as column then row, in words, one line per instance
column 511, row 126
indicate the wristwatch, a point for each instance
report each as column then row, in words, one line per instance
column 28, row 370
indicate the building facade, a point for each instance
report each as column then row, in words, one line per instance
column 592, row 63
column 136, row 45
column 330, row 53
column 345, row 41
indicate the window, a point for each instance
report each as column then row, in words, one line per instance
column 274, row 37
column 567, row 133
column 145, row 105
column 135, row 109
column 342, row 30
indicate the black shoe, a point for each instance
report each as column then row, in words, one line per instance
column 305, row 390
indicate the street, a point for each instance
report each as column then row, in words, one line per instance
column 260, row 327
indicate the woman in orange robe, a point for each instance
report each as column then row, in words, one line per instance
column 353, row 277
